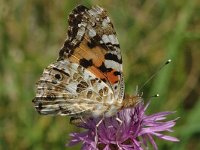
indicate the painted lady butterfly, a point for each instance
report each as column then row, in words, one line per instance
column 87, row 78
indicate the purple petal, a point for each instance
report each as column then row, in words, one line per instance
column 107, row 147
column 158, row 116
column 136, row 130
column 76, row 138
column 151, row 140
column 166, row 137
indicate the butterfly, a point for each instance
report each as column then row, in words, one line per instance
column 87, row 78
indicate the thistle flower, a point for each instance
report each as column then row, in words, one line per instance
column 133, row 133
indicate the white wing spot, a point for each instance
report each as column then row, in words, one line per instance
column 113, row 39
column 105, row 39
column 92, row 32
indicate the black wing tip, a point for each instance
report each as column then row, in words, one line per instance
column 80, row 8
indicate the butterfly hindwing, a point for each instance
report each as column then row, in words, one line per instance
column 67, row 88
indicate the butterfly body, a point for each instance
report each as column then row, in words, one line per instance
column 87, row 78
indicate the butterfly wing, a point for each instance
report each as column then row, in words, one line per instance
column 92, row 43
column 67, row 88
column 87, row 77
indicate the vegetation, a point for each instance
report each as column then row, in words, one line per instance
column 149, row 31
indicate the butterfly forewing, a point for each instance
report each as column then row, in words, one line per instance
column 98, row 50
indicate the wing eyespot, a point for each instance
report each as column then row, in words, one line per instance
column 51, row 96
column 58, row 76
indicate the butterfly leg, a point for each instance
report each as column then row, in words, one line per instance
column 120, row 124
column 119, row 120
column 96, row 129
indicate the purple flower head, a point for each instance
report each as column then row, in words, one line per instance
column 133, row 132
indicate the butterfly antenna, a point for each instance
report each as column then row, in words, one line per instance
column 153, row 96
column 156, row 95
column 153, row 75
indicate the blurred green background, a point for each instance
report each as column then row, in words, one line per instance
column 149, row 31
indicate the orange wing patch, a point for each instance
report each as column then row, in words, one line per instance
column 93, row 59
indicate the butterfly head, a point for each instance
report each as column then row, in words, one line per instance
column 131, row 101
